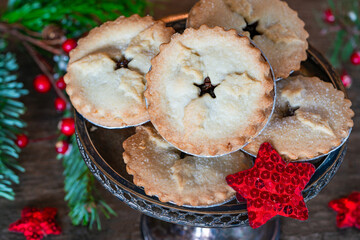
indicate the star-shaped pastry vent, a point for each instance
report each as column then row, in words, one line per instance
column 122, row 63
column 206, row 87
column 251, row 28
column 348, row 210
column 289, row 110
column 272, row 187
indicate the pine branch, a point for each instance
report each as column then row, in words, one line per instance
column 74, row 16
column 84, row 203
column 26, row 20
column 10, row 124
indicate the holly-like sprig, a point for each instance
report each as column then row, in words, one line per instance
column 48, row 31
column 342, row 18
column 10, row 123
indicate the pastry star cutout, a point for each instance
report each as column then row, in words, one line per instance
column 348, row 210
column 36, row 223
column 272, row 187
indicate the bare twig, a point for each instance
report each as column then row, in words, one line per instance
column 44, row 69
column 53, row 42
column 38, row 43
column 21, row 27
column 348, row 29
column 14, row 32
column 45, row 138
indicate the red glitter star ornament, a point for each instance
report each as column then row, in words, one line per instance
column 272, row 187
column 36, row 223
column 348, row 210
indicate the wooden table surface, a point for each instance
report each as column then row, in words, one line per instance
column 42, row 183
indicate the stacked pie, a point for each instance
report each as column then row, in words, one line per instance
column 274, row 27
column 208, row 92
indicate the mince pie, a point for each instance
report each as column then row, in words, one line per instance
column 173, row 176
column 274, row 27
column 105, row 79
column 311, row 118
column 209, row 91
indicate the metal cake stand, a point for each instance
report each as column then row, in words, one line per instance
column 102, row 151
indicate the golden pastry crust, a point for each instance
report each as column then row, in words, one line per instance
column 201, row 124
column 282, row 36
column 310, row 119
column 158, row 167
column 101, row 90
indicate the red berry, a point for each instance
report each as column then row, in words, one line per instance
column 67, row 126
column 42, row 83
column 62, row 147
column 69, row 45
column 329, row 16
column 346, row 79
column 21, row 140
column 60, row 104
column 355, row 58
column 60, row 83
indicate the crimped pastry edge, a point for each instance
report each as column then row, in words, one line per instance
column 233, row 144
column 302, row 54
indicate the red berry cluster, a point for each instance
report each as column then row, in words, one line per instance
column 60, row 83
column 355, row 58
column 68, row 45
column 60, row 104
column 42, row 84
column 346, row 79
column 329, row 17
column 22, row 140
column 67, row 127
column 62, row 146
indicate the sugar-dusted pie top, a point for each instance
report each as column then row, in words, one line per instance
column 105, row 79
column 311, row 117
column 184, row 180
column 209, row 91
column 272, row 25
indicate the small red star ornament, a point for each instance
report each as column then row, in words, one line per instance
column 272, row 187
column 348, row 210
column 36, row 223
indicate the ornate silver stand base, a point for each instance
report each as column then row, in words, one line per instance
column 154, row 229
